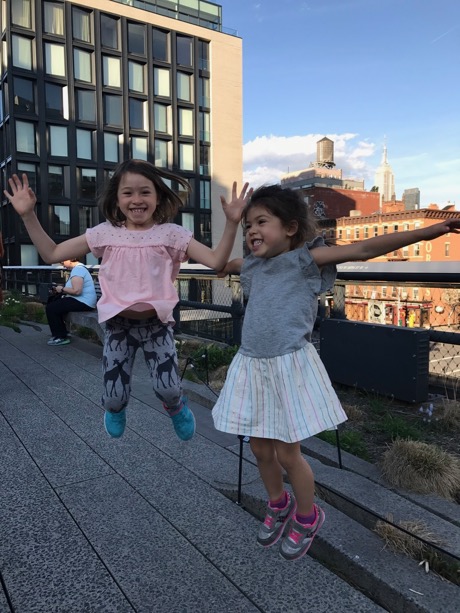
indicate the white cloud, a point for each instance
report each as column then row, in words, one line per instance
column 268, row 158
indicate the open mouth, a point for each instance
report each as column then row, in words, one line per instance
column 256, row 242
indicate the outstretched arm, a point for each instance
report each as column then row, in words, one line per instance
column 23, row 200
column 379, row 245
column 218, row 257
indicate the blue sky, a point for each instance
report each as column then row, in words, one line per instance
column 360, row 72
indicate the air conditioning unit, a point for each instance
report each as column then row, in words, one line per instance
column 388, row 360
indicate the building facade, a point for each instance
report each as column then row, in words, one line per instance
column 86, row 85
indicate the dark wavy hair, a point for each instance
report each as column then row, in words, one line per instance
column 288, row 206
column 169, row 201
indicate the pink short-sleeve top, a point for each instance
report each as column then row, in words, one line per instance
column 138, row 267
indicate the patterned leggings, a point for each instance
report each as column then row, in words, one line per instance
column 123, row 337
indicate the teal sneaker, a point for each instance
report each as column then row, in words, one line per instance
column 183, row 422
column 115, row 423
column 57, row 342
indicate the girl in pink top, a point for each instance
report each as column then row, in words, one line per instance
column 141, row 252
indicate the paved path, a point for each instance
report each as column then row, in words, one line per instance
column 91, row 524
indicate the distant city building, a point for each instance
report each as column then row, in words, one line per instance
column 384, row 179
column 411, row 198
column 85, row 85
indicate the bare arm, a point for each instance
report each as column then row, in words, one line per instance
column 23, row 200
column 379, row 245
column 75, row 289
column 217, row 258
column 231, row 268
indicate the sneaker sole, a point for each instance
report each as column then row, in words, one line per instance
column 286, row 523
column 301, row 554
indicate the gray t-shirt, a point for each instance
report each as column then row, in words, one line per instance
column 282, row 295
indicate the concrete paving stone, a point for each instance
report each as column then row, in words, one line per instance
column 154, row 564
column 384, row 502
column 62, row 456
column 220, row 533
column 4, row 606
column 47, row 564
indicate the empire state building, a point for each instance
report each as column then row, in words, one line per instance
column 384, row 179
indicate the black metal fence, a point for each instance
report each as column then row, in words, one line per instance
column 411, row 297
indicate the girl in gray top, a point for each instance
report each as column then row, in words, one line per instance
column 277, row 390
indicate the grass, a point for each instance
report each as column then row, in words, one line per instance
column 401, row 542
column 350, row 441
column 16, row 308
column 419, row 467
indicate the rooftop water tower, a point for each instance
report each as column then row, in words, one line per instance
column 325, row 153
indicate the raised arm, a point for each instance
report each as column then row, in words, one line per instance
column 217, row 258
column 23, row 200
column 379, row 245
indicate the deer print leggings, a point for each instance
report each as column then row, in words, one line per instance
column 123, row 337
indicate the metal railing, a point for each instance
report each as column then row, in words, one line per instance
column 414, row 296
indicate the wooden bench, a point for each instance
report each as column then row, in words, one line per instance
column 87, row 319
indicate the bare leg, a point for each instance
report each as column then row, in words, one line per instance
column 269, row 468
column 299, row 473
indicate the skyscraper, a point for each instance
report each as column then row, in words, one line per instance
column 384, row 179
column 411, row 198
column 85, row 85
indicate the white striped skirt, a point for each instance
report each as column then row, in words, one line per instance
column 288, row 398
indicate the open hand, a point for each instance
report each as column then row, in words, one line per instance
column 22, row 197
column 234, row 208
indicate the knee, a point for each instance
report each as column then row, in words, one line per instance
column 289, row 457
column 263, row 450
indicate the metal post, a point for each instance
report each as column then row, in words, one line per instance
column 339, row 452
column 240, row 471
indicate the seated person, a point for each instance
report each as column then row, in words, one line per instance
column 78, row 294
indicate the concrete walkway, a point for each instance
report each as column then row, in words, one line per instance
column 144, row 523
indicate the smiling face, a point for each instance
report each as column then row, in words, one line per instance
column 266, row 236
column 137, row 200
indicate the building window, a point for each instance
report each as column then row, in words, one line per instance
column 111, row 71
column 23, row 95
column 161, row 82
column 22, row 52
column 81, row 25
column 137, row 114
column 53, row 18
column 348, row 233
column 111, row 147
column 21, row 13
column 205, row 229
column 405, row 252
column 136, row 77
column 205, row 194
column 113, row 110
column 357, row 233
column 85, row 144
column 86, row 105
column 340, row 233
column 109, row 32
column 186, row 122
column 161, row 117
column 406, row 227
column 183, row 50
column 87, row 184
column 186, row 152
column 204, row 160
column 58, row 141
column 160, row 45
column 188, row 221
column 82, row 65
column 447, row 250
column 205, row 126
column 54, row 100
column 139, row 147
column 55, row 60
column 136, row 38
column 29, row 255
column 376, row 230
column 366, row 232
column 161, row 153
column 25, row 137
column 384, row 291
column 31, row 172
column 385, row 229
column 395, row 228
column 203, row 55
column 416, row 249
column 184, row 88
column 203, row 94
column 87, row 217
column 55, row 181
column 61, row 218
